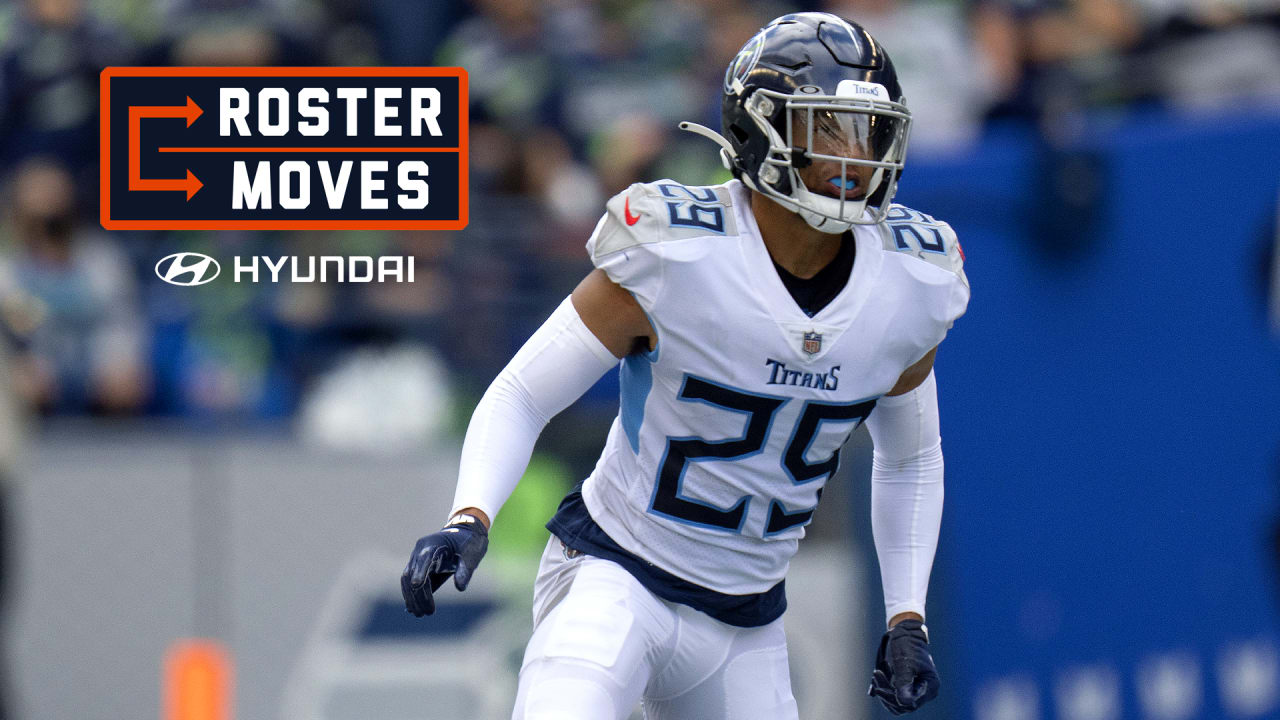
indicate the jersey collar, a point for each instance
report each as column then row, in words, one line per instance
column 832, row 320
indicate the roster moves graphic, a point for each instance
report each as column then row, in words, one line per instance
column 284, row 148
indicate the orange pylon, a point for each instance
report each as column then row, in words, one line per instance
column 197, row 682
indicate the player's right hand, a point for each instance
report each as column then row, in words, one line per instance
column 904, row 677
column 456, row 550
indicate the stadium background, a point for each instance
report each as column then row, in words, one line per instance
column 251, row 463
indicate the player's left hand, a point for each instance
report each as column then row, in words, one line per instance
column 456, row 550
column 904, row 677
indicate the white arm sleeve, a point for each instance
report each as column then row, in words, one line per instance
column 906, row 493
column 560, row 362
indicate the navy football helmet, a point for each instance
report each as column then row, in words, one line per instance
column 813, row 117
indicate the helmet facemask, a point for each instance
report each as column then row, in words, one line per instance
column 833, row 159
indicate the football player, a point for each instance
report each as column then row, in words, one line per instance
column 757, row 324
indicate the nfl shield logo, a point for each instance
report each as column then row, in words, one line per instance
column 812, row 343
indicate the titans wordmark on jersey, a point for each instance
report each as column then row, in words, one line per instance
column 730, row 427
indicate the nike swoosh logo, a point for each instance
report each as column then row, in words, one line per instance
column 626, row 210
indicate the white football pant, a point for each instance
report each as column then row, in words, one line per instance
column 603, row 643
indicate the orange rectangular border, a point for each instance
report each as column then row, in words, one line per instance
column 104, row 163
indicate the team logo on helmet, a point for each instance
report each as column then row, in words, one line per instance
column 859, row 89
column 812, row 343
column 187, row 268
column 744, row 62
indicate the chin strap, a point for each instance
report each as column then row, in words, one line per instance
column 822, row 223
column 726, row 150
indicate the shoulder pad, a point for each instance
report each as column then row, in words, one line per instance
column 660, row 211
column 914, row 233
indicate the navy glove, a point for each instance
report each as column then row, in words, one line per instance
column 904, row 677
column 456, row 550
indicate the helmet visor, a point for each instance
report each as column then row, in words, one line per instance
column 843, row 152
column 835, row 159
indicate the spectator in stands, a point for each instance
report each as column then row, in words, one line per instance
column 403, row 32
column 1205, row 53
column 512, row 70
column 88, row 352
column 49, row 87
column 233, row 32
column 1050, row 58
column 951, row 86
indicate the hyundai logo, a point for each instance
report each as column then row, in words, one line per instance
column 187, row 268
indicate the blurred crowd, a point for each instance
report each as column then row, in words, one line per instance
column 572, row 100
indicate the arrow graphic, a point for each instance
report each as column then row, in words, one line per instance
column 190, row 111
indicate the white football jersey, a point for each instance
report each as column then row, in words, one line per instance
column 730, row 427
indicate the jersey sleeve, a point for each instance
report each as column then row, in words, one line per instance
column 953, row 259
column 626, row 244
column 919, row 235
column 645, row 227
